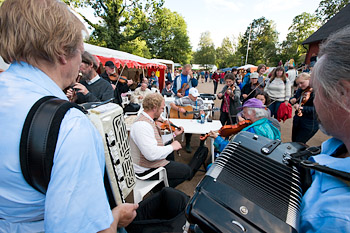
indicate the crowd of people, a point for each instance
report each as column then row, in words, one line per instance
column 43, row 42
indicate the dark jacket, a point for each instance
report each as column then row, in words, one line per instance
column 234, row 101
column 248, row 89
column 99, row 91
column 308, row 108
column 120, row 88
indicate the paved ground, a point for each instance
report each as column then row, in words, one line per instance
column 286, row 128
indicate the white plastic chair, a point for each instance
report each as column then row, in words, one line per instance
column 144, row 186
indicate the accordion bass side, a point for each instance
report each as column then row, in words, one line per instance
column 249, row 189
column 109, row 121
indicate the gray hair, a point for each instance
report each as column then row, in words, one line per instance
column 187, row 65
column 334, row 66
column 259, row 112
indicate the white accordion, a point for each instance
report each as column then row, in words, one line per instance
column 109, row 121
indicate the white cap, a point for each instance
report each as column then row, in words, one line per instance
column 194, row 92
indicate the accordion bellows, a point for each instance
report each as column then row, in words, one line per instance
column 247, row 191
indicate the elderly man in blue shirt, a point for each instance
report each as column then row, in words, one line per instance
column 43, row 41
column 326, row 203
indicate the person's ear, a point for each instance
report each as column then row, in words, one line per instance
column 62, row 59
column 345, row 91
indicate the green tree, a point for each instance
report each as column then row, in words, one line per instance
column 302, row 27
column 328, row 8
column 205, row 53
column 167, row 37
column 263, row 41
column 137, row 47
column 225, row 53
column 120, row 21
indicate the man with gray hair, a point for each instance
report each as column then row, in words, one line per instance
column 326, row 203
column 91, row 88
column 185, row 81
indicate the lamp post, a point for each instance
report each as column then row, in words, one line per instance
column 242, row 60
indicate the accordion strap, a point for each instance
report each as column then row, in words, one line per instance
column 39, row 138
column 301, row 158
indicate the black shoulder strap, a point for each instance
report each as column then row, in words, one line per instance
column 39, row 138
column 300, row 160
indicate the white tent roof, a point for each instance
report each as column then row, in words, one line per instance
column 246, row 67
column 121, row 58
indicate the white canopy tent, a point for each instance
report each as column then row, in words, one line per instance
column 121, row 58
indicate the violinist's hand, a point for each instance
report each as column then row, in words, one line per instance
column 179, row 131
column 293, row 100
column 140, row 97
column 81, row 88
column 220, row 95
column 182, row 110
column 296, row 106
column 240, row 119
column 179, row 95
column 176, row 145
column 213, row 134
column 244, row 96
column 130, row 82
column 113, row 86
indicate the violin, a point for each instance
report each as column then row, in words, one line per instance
column 114, row 77
column 305, row 97
column 165, row 125
column 228, row 130
column 183, row 89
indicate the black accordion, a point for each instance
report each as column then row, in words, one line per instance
column 249, row 188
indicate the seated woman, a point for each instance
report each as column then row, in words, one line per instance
column 256, row 112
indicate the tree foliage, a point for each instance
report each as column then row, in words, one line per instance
column 225, row 53
column 120, row 21
column 328, row 8
column 205, row 53
column 167, row 37
column 302, row 27
column 263, row 41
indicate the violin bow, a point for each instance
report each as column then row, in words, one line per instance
column 171, row 131
column 120, row 73
column 253, row 90
column 228, row 108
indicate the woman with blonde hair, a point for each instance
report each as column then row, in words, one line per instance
column 278, row 89
column 305, row 124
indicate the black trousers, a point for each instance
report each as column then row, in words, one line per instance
column 303, row 129
column 215, row 86
column 225, row 119
column 176, row 172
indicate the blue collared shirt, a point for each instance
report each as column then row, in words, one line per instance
column 326, row 204
column 75, row 200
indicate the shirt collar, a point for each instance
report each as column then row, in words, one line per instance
column 146, row 115
column 97, row 77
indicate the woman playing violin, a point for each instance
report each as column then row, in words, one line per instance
column 251, row 89
column 257, row 114
column 230, row 96
column 305, row 123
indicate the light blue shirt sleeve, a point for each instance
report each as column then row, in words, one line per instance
column 76, row 200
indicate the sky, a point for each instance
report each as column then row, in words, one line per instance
column 231, row 17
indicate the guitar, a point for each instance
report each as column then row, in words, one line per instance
column 189, row 112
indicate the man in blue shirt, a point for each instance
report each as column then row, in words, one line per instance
column 185, row 80
column 46, row 55
column 326, row 203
